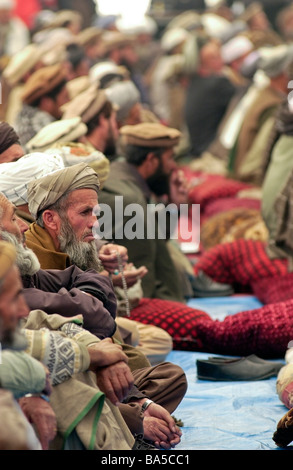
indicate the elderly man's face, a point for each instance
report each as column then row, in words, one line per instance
column 80, row 213
column 12, row 303
column 11, row 223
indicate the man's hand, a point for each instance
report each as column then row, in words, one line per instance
column 115, row 381
column 179, row 188
column 41, row 415
column 131, row 274
column 105, row 353
column 108, row 256
column 160, row 427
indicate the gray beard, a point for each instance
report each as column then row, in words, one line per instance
column 26, row 260
column 83, row 254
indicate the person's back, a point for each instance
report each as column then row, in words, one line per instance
column 207, row 99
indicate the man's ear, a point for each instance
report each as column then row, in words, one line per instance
column 152, row 161
column 51, row 220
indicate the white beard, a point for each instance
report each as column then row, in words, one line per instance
column 26, row 260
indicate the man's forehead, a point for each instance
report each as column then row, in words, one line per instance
column 84, row 196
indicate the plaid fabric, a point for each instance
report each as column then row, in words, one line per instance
column 273, row 289
column 176, row 318
column 240, row 262
column 265, row 331
column 215, row 187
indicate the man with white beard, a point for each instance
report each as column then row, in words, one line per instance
column 59, row 300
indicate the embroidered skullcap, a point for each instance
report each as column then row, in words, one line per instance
column 124, row 95
column 46, row 191
column 43, row 81
column 236, row 48
column 67, row 130
column 15, row 176
column 21, row 63
column 8, row 136
column 86, row 105
column 7, row 258
column 150, row 134
column 73, row 153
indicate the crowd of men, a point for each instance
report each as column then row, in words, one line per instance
column 94, row 109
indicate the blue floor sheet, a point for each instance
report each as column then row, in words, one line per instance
column 226, row 415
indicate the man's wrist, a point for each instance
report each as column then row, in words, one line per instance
column 146, row 404
column 38, row 395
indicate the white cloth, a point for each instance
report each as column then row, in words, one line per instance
column 15, row 176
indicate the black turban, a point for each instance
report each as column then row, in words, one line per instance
column 8, row 136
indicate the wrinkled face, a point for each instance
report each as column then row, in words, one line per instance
column 13, row 153
column 12, row 303
column 10, row 222
column 80, row 213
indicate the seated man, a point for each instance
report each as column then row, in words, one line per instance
column 53, row 301
column 43, row 95
column 19, row 373
column 23, row 373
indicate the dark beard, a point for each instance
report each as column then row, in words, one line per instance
column 159, row 183
column 26, row 260
column 83, row 254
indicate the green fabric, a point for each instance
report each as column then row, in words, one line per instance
column 98, row 400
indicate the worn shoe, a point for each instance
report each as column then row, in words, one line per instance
column 204, row 286
column 276, row 366
column 235, row 369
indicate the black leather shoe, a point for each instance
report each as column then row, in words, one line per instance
column 235, row 369
column 204, row 286
column 276, row 366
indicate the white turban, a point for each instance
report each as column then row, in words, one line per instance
column 15, row 176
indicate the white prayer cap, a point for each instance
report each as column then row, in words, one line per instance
column 215, row 25
column 124, row 95
column 15, row 176
column 235, row 48
column 105, row 71
column 173, row 37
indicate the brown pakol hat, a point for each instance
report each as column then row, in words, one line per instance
column 150, row 134
column 42, row 82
